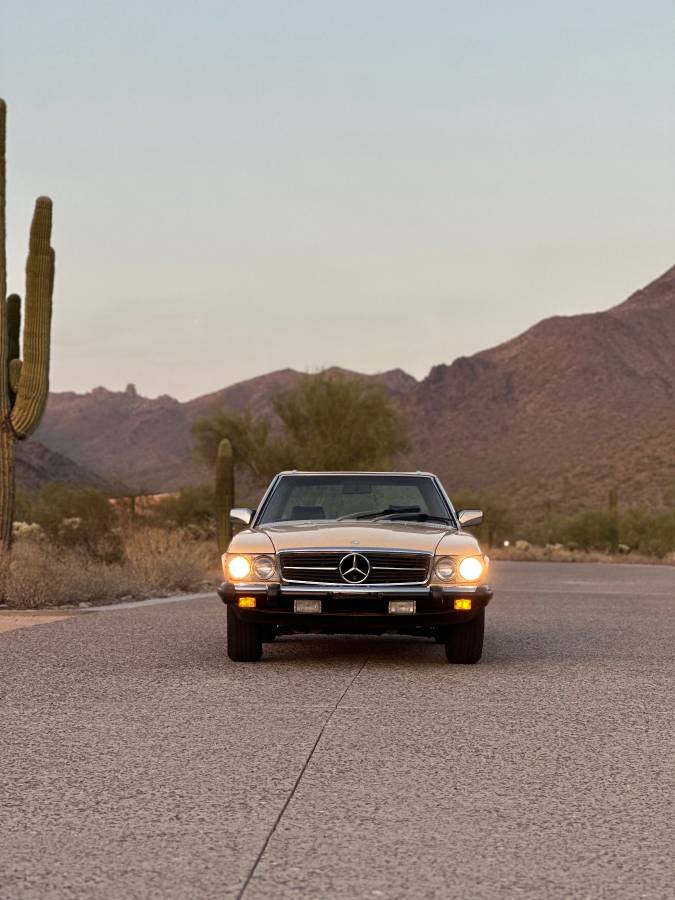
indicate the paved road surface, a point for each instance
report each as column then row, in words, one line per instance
column 138, row 762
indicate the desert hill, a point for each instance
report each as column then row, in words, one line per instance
column 570, row 406
column 147, row 443
column 557, row 415
column 37, row 464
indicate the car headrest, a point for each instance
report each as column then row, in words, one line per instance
column 308, row 512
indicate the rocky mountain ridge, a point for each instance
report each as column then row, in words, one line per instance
column 560, row 413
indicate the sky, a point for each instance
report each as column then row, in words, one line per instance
column 242, row 186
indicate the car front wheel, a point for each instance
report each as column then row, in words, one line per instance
column 244, row 643
column 464, row 642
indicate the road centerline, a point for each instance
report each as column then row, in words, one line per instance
column 291, row 794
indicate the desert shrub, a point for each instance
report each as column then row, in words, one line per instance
column 162, row 561
column 23, row 504
column 592, row 530
column 645, row 532
column 192, row 506
column 327, row 421
column 497, row 522
column 25, row 531
column 76, row 518
column 49, row 575
column 156, row 562
column 649, row 533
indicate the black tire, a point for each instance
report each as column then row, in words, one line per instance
column 243, row 639
column 464, row 642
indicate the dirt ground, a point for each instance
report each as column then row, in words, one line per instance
column 11, row 620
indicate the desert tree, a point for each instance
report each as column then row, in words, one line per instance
column 326, row 422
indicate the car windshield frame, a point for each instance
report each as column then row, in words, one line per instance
column 258, row 520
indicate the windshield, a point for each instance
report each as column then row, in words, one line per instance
column 301, row 498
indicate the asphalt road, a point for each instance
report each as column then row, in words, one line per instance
column 137, row 761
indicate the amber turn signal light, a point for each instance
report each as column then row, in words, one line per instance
column 246, row 602
column 462, row 603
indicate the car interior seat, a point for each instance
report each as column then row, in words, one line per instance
column 308, row 512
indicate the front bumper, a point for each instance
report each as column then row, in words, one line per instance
column 355, row 607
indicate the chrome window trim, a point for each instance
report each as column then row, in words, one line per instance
column 277, row 478
column 263, row 501
column 448, row 501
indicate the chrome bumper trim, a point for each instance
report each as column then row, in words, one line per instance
column 253, row 586
column 358, row 589
column 378, row 590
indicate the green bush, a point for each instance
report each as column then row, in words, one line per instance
column 192, row 506
column 326, row 422
column 650, row 533
column 646, row 532
column 497, row 523
column 73, row 517
column 592, row 530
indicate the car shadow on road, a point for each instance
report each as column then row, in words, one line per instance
column 315, row 646
column 291, row 650
column 504, row 647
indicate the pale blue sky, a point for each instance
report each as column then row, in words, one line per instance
column 241, row 186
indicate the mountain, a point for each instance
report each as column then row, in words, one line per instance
column 565, row 410
column 36, row 464
column 556, row 416
column 147, row 443
column 141, row 442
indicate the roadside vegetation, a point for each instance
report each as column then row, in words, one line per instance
column 75, row 546
column 630, row 534
column 326, row 422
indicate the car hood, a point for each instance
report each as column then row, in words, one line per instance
column 345, row 535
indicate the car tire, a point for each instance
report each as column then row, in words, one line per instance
column 244, row 642
column 464, row 642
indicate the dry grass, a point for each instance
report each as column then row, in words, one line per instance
column 157, row 563
column 534, row 553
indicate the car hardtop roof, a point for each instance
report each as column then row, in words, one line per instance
column 354, row 474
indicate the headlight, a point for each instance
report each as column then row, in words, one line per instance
column 238, row 567
column 471, row 568
column 263, row 567
column 445, row 568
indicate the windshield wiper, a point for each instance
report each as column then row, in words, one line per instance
column 376, row 513
column 415, row 517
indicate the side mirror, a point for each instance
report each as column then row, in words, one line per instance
column 242, row 515
column 469, row 517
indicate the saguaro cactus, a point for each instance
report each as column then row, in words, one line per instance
column 224, row 494
column 613, row 507
column 24, row 385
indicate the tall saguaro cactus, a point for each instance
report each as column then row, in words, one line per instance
column 224, row 494
column 24, row 384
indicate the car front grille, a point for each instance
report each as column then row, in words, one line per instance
column 324, row 567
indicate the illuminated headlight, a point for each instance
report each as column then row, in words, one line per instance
column 238, row 567
column 445, row 568
column 264, row 568
column 471, row 568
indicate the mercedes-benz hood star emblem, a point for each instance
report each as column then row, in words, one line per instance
column 354, row 568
